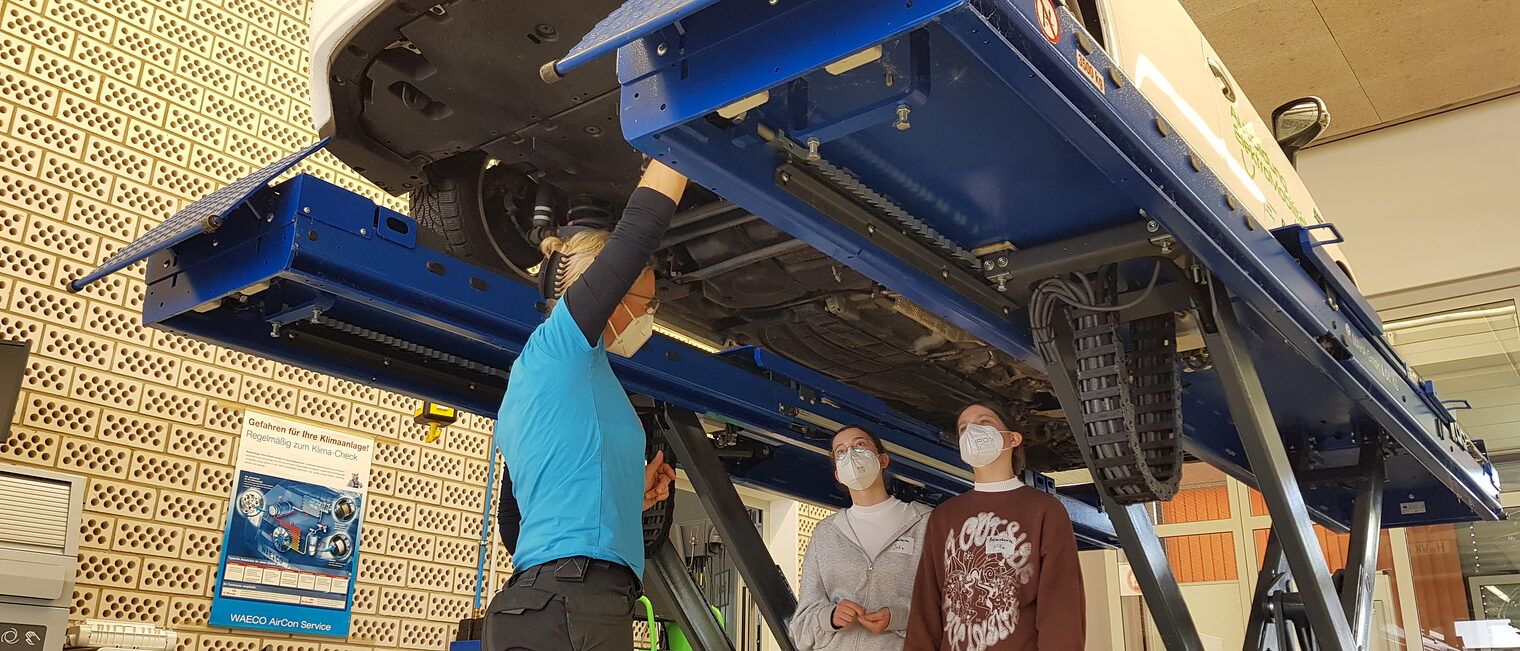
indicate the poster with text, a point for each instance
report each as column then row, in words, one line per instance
column 291, row 546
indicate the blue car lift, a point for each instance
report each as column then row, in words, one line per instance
column 313, row 275
column 986, row 133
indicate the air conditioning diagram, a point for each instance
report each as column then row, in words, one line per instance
column 298, row 523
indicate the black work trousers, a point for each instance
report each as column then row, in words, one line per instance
column 574, row 603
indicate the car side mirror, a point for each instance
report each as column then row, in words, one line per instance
column 1297, row 123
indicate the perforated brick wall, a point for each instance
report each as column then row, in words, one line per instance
column 113, row 115
column 808, row 517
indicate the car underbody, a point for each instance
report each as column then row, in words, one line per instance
column 445, row 103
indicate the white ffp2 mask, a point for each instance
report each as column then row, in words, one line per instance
column 636, row 331
column 858, row 469
column 632, row 324
column 981, row 444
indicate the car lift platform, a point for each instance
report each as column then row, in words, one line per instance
column 988, row 132
column 964, row 153
column 313, row 275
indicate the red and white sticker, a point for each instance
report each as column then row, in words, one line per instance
column 1050, row 23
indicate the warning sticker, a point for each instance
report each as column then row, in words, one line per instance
column 1091, row 73
column 1050, row 23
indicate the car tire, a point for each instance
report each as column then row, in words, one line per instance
column 477, row 214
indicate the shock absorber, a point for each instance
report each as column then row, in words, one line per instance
column 543, row 213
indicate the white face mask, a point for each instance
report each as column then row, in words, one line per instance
column 632, row 337
column 858, row 469
column 981, row 444
column 632, row 322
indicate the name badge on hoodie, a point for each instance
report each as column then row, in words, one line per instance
column 902, row 546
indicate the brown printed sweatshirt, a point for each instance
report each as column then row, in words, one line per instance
column 999, row 572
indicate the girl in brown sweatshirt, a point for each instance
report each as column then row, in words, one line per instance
column 999, row 570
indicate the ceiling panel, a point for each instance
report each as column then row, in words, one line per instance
column 1374, row 62
column 1202, row 10
column 1491, row 415
column 1413, row 56
column 1259, row 41
column 1493, row 381
column 1500, row 439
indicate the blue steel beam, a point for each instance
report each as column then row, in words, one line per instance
column 315, row 276
column 1013, row 143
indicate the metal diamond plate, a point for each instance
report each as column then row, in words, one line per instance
column 196, row 218
column 630, row 22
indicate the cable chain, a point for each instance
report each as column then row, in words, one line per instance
column 1130, row 400
column 1156, row 388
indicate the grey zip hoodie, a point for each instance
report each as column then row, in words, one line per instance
column 837, row 568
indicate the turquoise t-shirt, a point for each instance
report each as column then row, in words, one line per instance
column 575, row 448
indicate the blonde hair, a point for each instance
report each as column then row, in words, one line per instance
column 576, row 255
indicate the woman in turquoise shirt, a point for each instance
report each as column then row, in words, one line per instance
column 574, row 446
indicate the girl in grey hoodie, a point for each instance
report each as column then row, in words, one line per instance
column 857, row 577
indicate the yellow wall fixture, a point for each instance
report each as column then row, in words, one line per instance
column 435, row 417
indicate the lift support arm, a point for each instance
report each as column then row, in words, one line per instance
column 712, row 485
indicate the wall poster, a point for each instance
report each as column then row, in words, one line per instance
column 290, row 548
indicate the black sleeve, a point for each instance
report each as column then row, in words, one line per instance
column 508, row 517
column 598, row 291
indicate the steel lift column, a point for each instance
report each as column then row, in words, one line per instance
column 1360, row 577
column 671, row 584
column 1311, row 613
column 1291, row 526
column 1338, row 619
column 1278, row 616
column 1315, row 612
column 716, row 490
column 1293, row 540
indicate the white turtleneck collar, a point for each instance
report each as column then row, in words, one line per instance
column 999, row 486
column 884, row 505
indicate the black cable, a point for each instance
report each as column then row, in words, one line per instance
column 1155, row 276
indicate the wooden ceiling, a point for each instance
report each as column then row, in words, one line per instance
column 1375, row 62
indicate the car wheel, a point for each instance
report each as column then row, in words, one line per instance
column 478, row 214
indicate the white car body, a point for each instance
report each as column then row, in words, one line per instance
column 332, row 23
column 1157, row 44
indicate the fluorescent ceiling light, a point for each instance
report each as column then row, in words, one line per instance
column 1450, row 317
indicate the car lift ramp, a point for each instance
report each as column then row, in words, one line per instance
column 988, row 160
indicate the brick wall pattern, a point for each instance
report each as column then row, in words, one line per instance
column 808, row 516
column 113, row 115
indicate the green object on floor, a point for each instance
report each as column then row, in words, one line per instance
column 675, row 636
column 678, row 638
